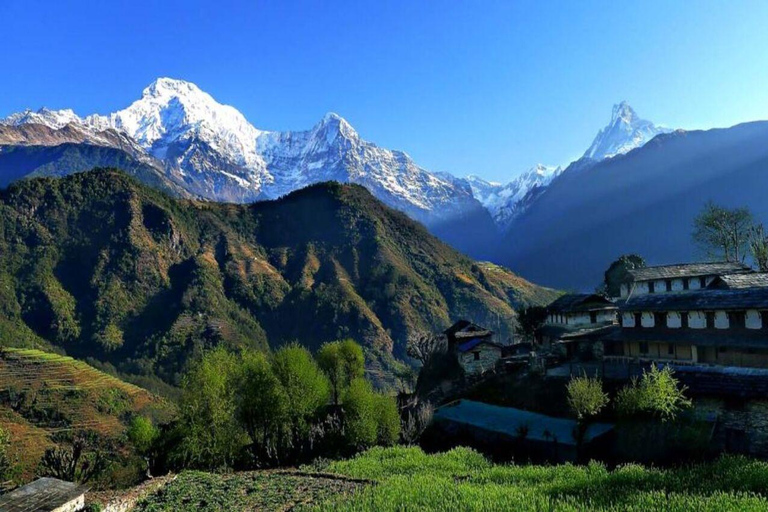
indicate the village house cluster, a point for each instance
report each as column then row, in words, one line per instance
column 709, row 314
column 700, row 313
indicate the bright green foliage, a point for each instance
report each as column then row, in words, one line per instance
column 262, row 403
column 586, row 396
column 306, row 386
column 142, row 434
column 370, row 417
column 657, row 394
column 388, row 418
column 360, row 414
column 461, row 479
column 342, row 362
column 212, row 436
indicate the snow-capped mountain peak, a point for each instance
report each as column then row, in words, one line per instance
column 55, row 119
column 171, row 110
column 625, row 132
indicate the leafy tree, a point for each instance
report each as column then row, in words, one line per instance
column 758, row 246
column 360, row 414
column 212, row 435
column 342, row 362
column 389, row 424
column 262, row 406
column 143, row 434
column 658, row 394
column 724, row 233
column 529, row 320
column 618, row 273
column 306, row 386
column 586, row 396
column 586, row 399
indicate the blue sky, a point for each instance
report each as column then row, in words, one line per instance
column 489, row 88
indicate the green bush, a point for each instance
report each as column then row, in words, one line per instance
column 657, row 394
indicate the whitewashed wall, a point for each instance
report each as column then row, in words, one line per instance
column 721, row 320
column 754, row 319
column 628, row 320
column 697, row 320
column 647, row 319
column 674, row 320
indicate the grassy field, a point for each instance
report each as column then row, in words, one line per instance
column 45, row 397
column 404, row 479
column 463, row 480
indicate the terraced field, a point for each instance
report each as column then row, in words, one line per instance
column 46, row 397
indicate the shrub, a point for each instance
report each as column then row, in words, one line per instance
column 360, row 414
column 586, row 396
column 342, row 362
column 306, row 386
column 657, row 394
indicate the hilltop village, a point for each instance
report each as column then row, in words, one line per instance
column 706, row 324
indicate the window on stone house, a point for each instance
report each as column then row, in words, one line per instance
column 668, row 284
column 685, row 284
column 477, row 355
column 660, row 319
column 638, row 320
column 702, row 282
column 710, row 319
column 684, row 320
column 650, row 286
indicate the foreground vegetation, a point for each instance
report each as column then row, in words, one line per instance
column 403, row 478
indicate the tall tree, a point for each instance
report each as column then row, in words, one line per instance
column 618, row 273
column 342, row 362
column 758, row 246
column 724, row 233
column 529, row 320
column 424, row 346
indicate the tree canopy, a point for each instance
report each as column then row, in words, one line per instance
column 722, row 232
column 618, row 273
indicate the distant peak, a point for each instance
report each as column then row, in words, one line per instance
column 332, row 124
column 169, row 86
column 623, row 112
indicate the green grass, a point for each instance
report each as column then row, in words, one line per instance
column 408, row 479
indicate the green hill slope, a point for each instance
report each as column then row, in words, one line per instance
column 105, row 267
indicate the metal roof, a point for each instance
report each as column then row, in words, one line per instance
column 509, row 421
column 42, row 495
column 702, row 300
column 687, row 270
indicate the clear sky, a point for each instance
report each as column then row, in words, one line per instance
column 480, row 87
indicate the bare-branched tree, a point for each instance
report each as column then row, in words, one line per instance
column 423, row 346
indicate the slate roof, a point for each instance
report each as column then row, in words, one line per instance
column 736, row 281
column 704, row 300
column 687, row 270
column 567, row 332
column 507, row 420
column 742, row 338
column 469, row 345
column 42, row 495
column 574, row 302
column 465, row 328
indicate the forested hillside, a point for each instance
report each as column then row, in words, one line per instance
column 105, row 267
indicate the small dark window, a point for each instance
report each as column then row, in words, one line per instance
column 670, row 349
column 621, row 320
column 710, row 319
column 684, row 320
column 638, row 320
column 669, row 285
column 477, row 355
column 643, row 347
column 650, row 287
column 660, row 319
column 593, row 317
column 685, row 284
column 737, row 319
column 702, row 282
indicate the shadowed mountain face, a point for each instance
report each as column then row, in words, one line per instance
column 642, row 202
column 106, row 267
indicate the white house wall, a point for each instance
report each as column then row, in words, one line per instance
column 697, row 320
column 754, row 319
column 647, row 320
column 721, row 320
column 628, row 320
column 674, row 320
